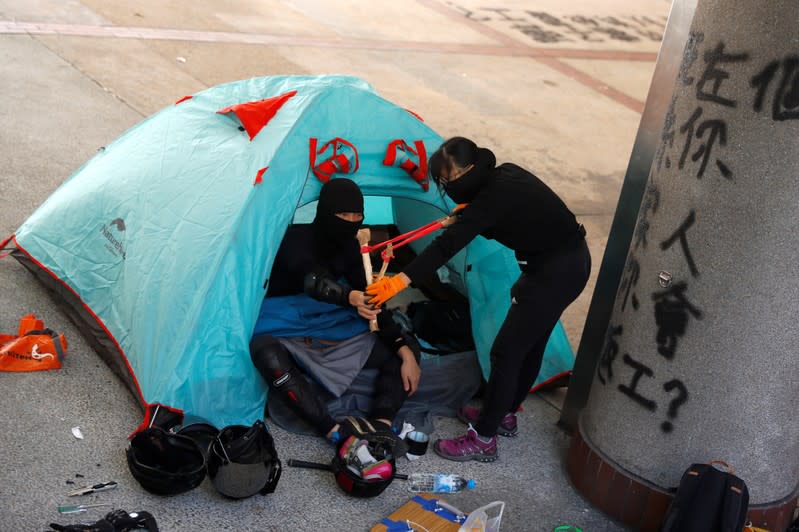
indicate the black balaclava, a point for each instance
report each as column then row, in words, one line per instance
column 337, row 195
column 465, row 188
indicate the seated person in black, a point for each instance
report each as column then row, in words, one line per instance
column 323, row 260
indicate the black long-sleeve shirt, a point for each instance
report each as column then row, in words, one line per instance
column 513, row 207
column 299, row 255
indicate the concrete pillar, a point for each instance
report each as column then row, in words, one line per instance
column 701, row 357
column 632, row 191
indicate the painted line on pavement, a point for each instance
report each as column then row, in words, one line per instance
column 593, row 83
column 121, row 32
column 509, row 47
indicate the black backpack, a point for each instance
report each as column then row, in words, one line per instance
column 445, row 325
column 708, row 500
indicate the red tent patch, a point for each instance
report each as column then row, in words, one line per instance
column 255, row 115
column 259, row 177
column 413, row 161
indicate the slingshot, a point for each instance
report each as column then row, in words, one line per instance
column 399, row 241
column 364, row 235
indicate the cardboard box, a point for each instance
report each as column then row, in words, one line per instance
column 422, row 510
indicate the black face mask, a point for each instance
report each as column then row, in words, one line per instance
column 340, row 230
column 465, row 188
column 337, row 195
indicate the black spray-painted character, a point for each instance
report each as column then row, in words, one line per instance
column 468, row 13
column 539, row 34
column 681, row 234
column 548, row 19
column 631, row 390
column 545, row 35
column 596, row 27
column 631, row 274
column 562, row 26
column 715, row 75
column 617, row 34
column 718, row 131
column 689, row 56
column 785, row 105
column 503, row 13
column 675, row 403
column 672, row 311
column 586, row 34
column 647, row 23
column 649, row 207
column 609, row 354
column 667, row 136
column 618, row 23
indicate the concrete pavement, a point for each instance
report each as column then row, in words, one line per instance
column 558, row 89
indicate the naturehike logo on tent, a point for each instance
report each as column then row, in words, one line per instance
column 114, row 245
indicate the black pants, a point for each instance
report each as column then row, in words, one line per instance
column 539, row 297
column 285, row 379
column 390, row 392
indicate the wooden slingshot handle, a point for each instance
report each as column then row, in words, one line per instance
column 363, row 236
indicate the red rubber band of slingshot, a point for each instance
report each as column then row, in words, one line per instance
column 405, row 238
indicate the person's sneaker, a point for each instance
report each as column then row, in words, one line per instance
column 467, row 447
column 507, row 427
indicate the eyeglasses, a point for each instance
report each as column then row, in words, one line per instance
column 457, row 175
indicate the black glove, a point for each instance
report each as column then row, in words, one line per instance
column 123, row 521
column 389, row 331
column 116, row 521
column 322, row 287
column 100, row 526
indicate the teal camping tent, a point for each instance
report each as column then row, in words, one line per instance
column 161, row 245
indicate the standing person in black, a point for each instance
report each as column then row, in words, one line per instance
column 329, row 338
column 514, row 207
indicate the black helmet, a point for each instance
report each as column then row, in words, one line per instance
column 202, row 433
column 165, row 463
column 242, row 461
column 359, row 479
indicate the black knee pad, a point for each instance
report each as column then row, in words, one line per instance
column 276, row 366
column 284, row 378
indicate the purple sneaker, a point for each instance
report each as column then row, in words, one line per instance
column 467, row 447
column 507, row 427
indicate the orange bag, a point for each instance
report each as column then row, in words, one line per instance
column 34, row 348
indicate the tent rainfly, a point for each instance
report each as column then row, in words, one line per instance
column 161, row 245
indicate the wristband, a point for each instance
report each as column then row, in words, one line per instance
column 399, row 343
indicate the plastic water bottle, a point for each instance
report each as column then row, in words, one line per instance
column 438, row 483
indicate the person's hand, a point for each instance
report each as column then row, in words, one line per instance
column 359, row 300
column 452, row 217
column 448, row 220
column 386, row 288
column 409, row 371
